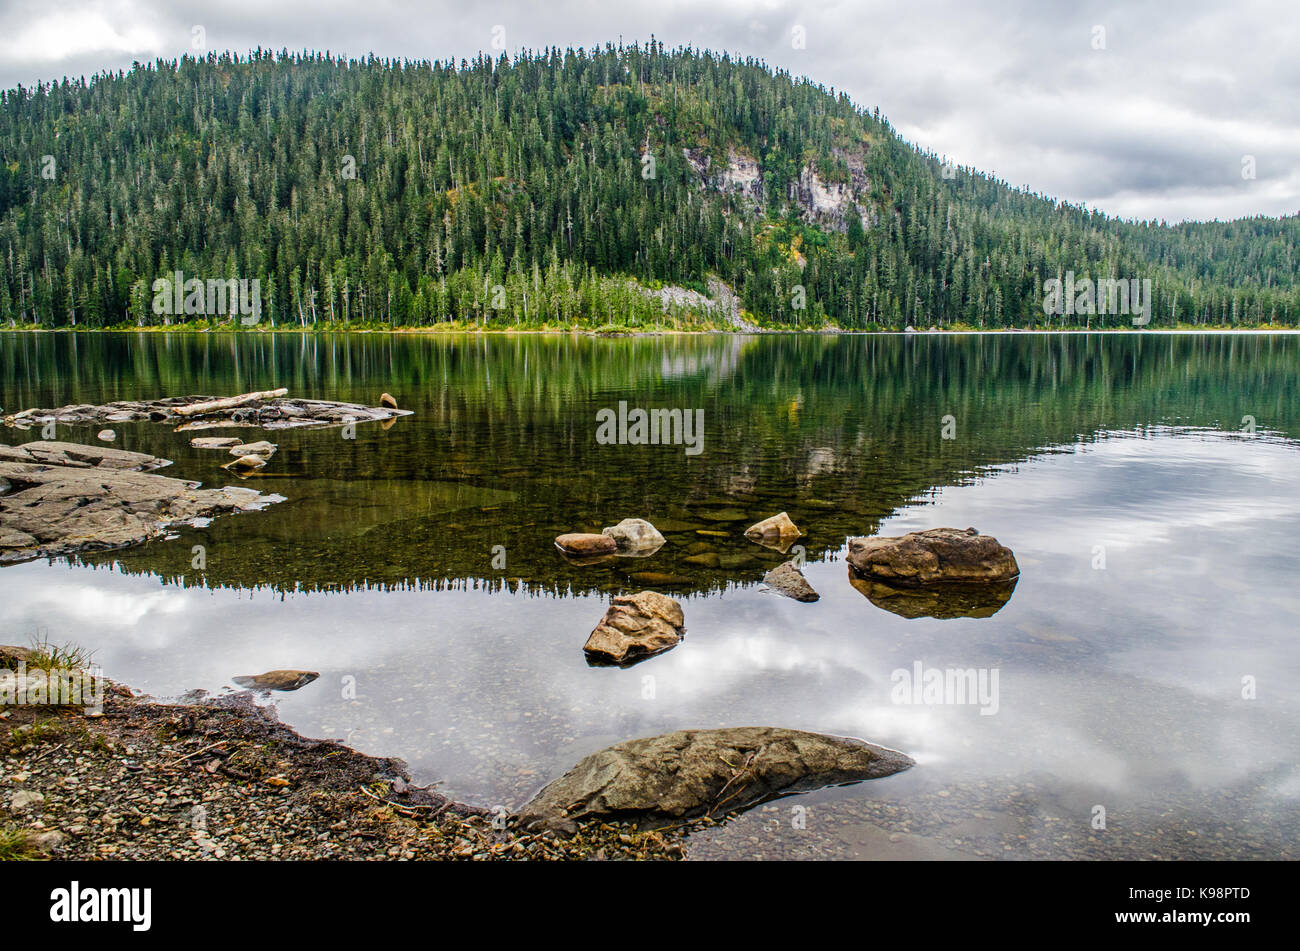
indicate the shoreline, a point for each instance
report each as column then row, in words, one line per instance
column 639, row 332
column 222, row 778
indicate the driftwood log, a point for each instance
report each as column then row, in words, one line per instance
column 268, row 409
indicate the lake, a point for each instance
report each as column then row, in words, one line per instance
column 1146, row 664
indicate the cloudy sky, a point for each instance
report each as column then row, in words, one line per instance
column 1142, row 109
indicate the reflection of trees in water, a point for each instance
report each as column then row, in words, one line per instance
column 838, row 431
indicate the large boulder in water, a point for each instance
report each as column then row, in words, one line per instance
column 935, row 556
column 693, row 773
column 635, row 627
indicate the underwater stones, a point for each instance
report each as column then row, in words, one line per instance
column 277, row 680
column 635, row 627
column 788, row 580
column 693, row 773
column 777, row 529
column 586, row 544
column 934, row 556
column 635, row 536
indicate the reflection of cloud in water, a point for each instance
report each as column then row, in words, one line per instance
column 1124, row 680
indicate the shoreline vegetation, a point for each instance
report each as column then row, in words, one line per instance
column 469, row 329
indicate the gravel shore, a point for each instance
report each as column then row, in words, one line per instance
column 223, row 779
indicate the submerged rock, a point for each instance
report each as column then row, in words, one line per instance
column 213, row 442
column 635, row 627
column 777, row 529
column 586, row 544
column 935, row 556
column 943, row 601
column 635, row 536
column 245, row 464
column 693, row 773
column 277, row 680
column 788, row 580
column 100, row 498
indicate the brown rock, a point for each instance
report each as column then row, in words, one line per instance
column 635, row 627
column 935, row 556
column 586, row 545
column 245, row 464
column 788, row 580
column 777, row 528
column 704, row 772
column 942, row 601
column 386, row 399
column 277, row 680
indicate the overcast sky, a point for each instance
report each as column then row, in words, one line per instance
column 1142, row 109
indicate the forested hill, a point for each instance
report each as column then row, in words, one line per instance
column 606, row 187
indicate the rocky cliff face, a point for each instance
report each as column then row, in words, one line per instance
column 825, row 204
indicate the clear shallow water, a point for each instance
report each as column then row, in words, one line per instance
column 1119, row 687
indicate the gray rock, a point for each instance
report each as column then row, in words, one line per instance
column 788, row 580
column 635, row 536
column 96, row 501
column 25, row 799
column 213, row 442
column 704, row 772
column 261, row 448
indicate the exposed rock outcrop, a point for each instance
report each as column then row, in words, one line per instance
column 693, row 773
column 635, row 627
column 935, row 556
column 58, row 498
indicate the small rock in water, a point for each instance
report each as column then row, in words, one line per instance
column 635, row 627
column 262, row 448
column 788, row 580
column 778, row 527
column 934, row 556
column 277, row 680
column 386, row 399
column 635, row 535
column 214, row 442
column 584, row 543
column 107, row 435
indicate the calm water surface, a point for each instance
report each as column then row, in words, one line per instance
column 1155, row 538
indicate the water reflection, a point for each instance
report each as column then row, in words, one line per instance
column 1157, row 572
